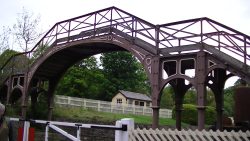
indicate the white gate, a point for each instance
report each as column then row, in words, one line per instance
column 121, row 128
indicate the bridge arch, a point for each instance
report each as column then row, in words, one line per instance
column 180, row 89
column 76, row 51
column 216, row 79
column 56, row 60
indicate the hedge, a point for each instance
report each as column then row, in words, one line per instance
column 190, row 114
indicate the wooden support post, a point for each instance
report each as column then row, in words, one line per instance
column 200, row 74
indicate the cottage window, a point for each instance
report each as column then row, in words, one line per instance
column 141, row 103
column 148, row 104
column 119, row 101
column 136, row 102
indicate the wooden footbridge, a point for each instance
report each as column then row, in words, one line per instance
column 167, row 52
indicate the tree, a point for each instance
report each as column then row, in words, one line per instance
column 167, row 99
column 123, row 72
column 229, row 100
column 25, row 30
column 4, row 39
column 16, row 64
column 84, row 79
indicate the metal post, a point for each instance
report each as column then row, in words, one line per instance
column 78, row 133
column 47, row 132
column 26, row 130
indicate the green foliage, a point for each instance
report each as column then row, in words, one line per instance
column 13, row 111
column 167, row 99
column 40, row 109
column 229, row 101
column 16, row 64
column 190, row 114
column 190, row 97
column 123, row 72
column 6, row 55
column 39, row 50
column 82, row 80
column 210, row 98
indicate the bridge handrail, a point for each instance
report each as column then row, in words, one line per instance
column 219, row 35
column 51, row 35
column 167, row 35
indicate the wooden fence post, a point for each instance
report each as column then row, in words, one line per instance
column 99, row 106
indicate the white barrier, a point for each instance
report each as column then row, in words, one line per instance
column 121, row 128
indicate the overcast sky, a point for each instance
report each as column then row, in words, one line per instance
column 233, row 13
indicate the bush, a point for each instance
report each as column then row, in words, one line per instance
column 40, row 109
column 190, row 114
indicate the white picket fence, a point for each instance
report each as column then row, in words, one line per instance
column 106, row 106
column 189, row 135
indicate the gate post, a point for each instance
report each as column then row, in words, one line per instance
column 124, row 135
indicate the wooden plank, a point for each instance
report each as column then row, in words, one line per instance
column 166, row 51
column 243, row 135
column 131, row 135
column 154, row 134
column 248, row 133
column 235, row 135
column 143, row 135
column 172, row 133
column 228, row 135
column 200, row 135
column 180, row 135
column 221, row 134
column 148, row 134
column 207, row 135
column 187, row 135
column 214, row 135
column 167, row 135
column 137, row 132
column 160, row 133
column 194, row 136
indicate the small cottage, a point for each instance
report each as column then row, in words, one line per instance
column 126, row 98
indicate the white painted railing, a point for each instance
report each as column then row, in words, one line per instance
column 106, row 106
column 186, row 135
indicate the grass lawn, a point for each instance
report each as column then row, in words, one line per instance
column 81, row 114
column 73, row 114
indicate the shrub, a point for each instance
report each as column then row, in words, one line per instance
column 40, row 109
column 190, row 114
